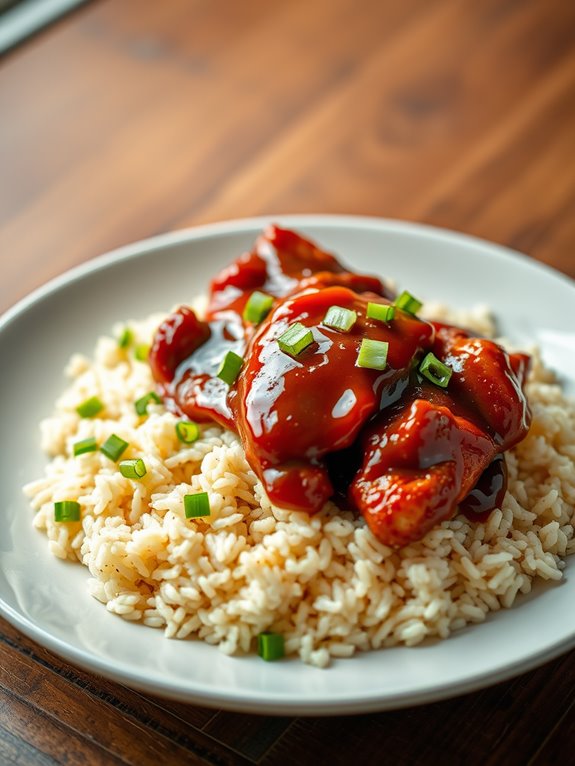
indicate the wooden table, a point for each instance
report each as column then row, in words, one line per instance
column 131, row 118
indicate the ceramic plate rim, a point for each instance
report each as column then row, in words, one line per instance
column 273, row 702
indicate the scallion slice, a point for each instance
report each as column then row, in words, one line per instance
column 271, row 646
column 141, row 352
column 90, row 408
column 407, row 302
column 340, row 318
column 126, row 338
column 141, row 404
column 197, row 505
column 85, row 445
column 383, row 312
column 67, row 510
column 187, row 431
column 230, row 367
column 258, row 307
column 435, row 371
column 133, row 469
column 373, row 354
column 114, row 447
column 295, row 339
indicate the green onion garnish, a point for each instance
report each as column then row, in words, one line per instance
column 340, row 318
column 408, row 303
column 258, row 307
column 197, row 505
column 435, row 371
column 85, row 445
column 230, row 367
column 67, row 510
column 126, row 338
column 380, row 311
column 114, row 447
column 141, row 404
column 295, row 339
column 133, row 469
column 141, row 352
column 373, row 354
column 271, row 646
column 90, row 408
column 187, row 431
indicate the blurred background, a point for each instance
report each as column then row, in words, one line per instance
column 126, row 118
column 121, row 119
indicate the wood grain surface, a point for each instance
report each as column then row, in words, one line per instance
column 134, row 117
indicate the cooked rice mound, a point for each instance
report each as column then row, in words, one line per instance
column 324, row 582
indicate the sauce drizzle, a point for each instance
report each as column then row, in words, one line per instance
column 401, row 450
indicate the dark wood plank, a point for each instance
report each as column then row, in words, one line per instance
column 46, row 734
column 133, row 726
column 496, row 726
column 557, row 745
column 112, row 692
column 18, row 752
column 250, row 735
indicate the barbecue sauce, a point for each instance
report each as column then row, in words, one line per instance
column 403, row 451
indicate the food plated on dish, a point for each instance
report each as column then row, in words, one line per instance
column 311, row 463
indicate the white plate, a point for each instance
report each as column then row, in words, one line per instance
column 47, row 599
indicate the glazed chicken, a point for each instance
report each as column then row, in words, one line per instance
column 402, row 419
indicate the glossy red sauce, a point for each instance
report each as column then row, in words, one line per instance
column 401, row 450
column 281, row 263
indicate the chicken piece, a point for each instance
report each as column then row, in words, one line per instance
column 488, row 382
column 293, row 411
column 184, row 358
column 417, row 466
column 179, row 335
column 278, row 262
column 425, row 455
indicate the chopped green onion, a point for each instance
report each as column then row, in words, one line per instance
column 67, row 510
column 197, row 505
column 141, row 404
column 230, row 367
column 187, row 431
column 340, row 318
column 435, row 371
column 271, row 646
column 126, row 338
column 373, row 354
column 133, row 469
column 408, row 303
column 114, row 447
column 295, row 339
column 141, row 352
column 380, row 311
column 90, row 408
column 258, row 307
column 85, row 445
